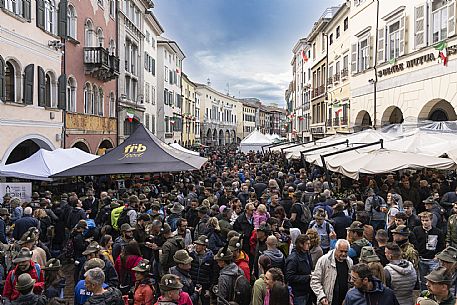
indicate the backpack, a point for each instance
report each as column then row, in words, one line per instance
column 376, row 203
column 123, row 218
column 37, row 270
column 306, row 214
column 241, row 290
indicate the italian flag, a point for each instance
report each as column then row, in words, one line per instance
column 442, row 52
column 303, row 54
column 130, row 115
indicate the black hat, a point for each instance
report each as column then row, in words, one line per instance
column 356, row 226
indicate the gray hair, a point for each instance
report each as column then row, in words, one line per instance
column 96, row 276
column 340, row 242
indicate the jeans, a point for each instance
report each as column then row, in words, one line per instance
column 302, row 300
column 425, row 267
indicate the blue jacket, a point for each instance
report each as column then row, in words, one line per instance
column 380, row 295
column 298, row 272
column 81, row 293
column 23, row 224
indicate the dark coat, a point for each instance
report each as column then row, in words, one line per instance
column 243, row 226
column 111, row 297
column 298, row 272
column 74, row 217
column 30, row 299
column 380, row 295
column 340, row 222
column 23, row 224
column 205, row 272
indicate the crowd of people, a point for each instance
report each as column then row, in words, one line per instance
column 245, row 229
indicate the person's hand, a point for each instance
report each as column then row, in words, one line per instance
column 332, row 235
column 198, row 289
column 277, row 235
column 324, row 301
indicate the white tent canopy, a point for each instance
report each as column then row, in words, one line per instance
column 45, row 163
column 254, row 142
column 179, row 147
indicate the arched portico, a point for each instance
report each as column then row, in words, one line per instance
column 392, row 115
column 438, row 110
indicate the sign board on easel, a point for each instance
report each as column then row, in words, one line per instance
column 22, row 190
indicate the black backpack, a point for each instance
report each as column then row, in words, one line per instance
column 241, row 290
column 123, row 218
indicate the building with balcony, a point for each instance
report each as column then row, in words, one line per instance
column 32, row 85
column 190, row 111
column 338, row 82
column 152, row 31
column 404, row 62
column 221, row 117
column 251, row 115
column 92, row 67
column 301, row 72
column 169, row 102
column 130, row 28
column 277, row 119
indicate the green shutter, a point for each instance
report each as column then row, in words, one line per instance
column 41, row 87
column 28, row 84
column 62, row 24
column 40, row 14
column 26, row 10
column 2, row 78
column 62, row 96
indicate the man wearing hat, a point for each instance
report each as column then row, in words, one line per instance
column 448, row 259
column 93, row 251
column 355, row 235
column 400, row 236
column 144, row 289
column 23, row 224
column 28, row 240
column 4, row 215
column 204, row 270
column 24, row 264
column 262, row 234
column 201, row 228
column 176, row 212
column 323, row 228
column 183, row 265
column 25, row 285
column 429, row 241
column 438, row 283
column 6, row 199
column 170, row 288
column 400, row 273
column 228, row 274
column 240, row 257
column 121, row 241
column 451, row 235
column 171, row 245
column 81, row 292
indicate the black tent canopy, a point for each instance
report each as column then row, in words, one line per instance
column 142, row 152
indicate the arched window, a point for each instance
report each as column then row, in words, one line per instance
column 71, row 21
column 10, row 83
column 71, row 94
column 48, row 91
column 112, row 7
column 100, row 37
column 87, row 98
column 101, row 102
column 112, row 47
column 94, row 100
column 89, row 37
column 50, row 16
column 112, row 105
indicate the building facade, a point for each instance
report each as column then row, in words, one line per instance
column 220, row 115
column 32, row 83
column 152, row 30
column 190, row 111
column 251, row 115
column 169, row 106
column 92, row 67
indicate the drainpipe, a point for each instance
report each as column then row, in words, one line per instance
column 375, row 82
column 116, row 107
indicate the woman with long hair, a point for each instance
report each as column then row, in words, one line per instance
column 130, row 257
column 106, row 242
column 279, row 293
column 215, row 239
column 272, row 277
column 315, row 249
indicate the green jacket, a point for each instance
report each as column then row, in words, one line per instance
column 451, row 236
column 259, row 291
column 450, row 300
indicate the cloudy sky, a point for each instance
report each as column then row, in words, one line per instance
column 241, row 45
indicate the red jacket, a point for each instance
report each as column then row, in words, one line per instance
column 243, row 262
column 10, row 292
column 132, row 261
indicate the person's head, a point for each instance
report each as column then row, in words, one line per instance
column 94, row 279
column 127, row 231
column 106, row 241
column 264, row 263
column 223, row 257
column 302, row 243
column 249, row 209
column 183, row 260
column 273, row 275
column 132, row 248
column 392, row 252
column 272, row 242
column 408, row 207
column 319, row 216
column 194, row 204
column 341, row 250
column 400, row 233
column 274, row 199
column 201, row 243
column 355, row 231
column 25, row 283
column 92, row 250
column 278, row 294
column 279, row 212
column 262, row 209
column 170, row 286
column 439, row 282
column 400, row 218
column 426, row 220
column 448, row 258
column 314, row 238
column 381, row 236
column 361, row 275
column 181, row 225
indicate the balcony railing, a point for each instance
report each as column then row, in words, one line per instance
column 330, row 80
column 100, row 64
column 344, row 73
column 321, row 89
column 336, row 77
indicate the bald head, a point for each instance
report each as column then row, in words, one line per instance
column 272, row 242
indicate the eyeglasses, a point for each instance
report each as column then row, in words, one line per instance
column 355, row 278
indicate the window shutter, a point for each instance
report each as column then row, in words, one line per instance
column 370, row 51
column 2, row 79
column 381, row 45
column 354, row 58
column 2, row 3
column 26, row 9
column 28, row 84
column 419, row 27
column 451, row 19
column 62, row 24
column 402, row 35
column 41, row 87
column 153, row 66
column 40, row 14
column 62, row 96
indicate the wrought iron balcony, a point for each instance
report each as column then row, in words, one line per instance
column 336, row 77
column 100, row 64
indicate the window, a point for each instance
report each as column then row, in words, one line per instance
column 146, row 92
column 314, row 50
column 71, row 21
column 346, row 23
column 153, row 124
column 50, row 16
column 443, row 20
column 360, row 57
column 89, row 37
column 127, row 87
column 101, row 102
column 71, row 94
column 10, row 83
column 147, row 36
column 48, row 91
column 165, row 96
column 337, row 68
column 153, row 95
column 100, row 37
column 337, row 32
column 331, row 39
column 112, row 7
column 94, row 100
column 323, row 42
column 166, row 74
column 112, row 105
column 112, row 47
column 146, row 121
column 87, row 98
column 16, row 6
column 167, row 124
column 394, row 40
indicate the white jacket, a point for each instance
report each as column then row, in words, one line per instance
column 323, row 277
